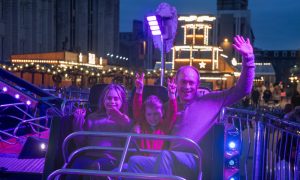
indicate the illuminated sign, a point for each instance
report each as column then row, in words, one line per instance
column 80, row 57
column 92, row 58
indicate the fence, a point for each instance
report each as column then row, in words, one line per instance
column 269, row 145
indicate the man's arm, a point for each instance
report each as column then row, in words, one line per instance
column 244, row 85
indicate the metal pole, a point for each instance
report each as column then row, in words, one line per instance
column 258, row 151
column 162, row 54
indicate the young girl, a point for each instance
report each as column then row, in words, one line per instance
column 150, row 116
column 111, row 116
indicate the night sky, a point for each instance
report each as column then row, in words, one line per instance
column 275, row 23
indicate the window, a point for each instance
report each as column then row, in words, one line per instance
column 276, row 53
column 1, row 9
column 284, row 53
column 293, row 53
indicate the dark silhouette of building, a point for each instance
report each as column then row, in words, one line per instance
column 282, row 61
column 134, row 45
column 233, row 19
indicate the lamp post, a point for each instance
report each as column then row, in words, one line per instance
column 163, row 26
column 158, row 39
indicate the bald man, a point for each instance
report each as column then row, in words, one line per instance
column 196, row 116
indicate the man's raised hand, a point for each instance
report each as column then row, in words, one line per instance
column 243, row 46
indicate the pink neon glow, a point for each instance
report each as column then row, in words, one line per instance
column 4, row 89
column 28, row 102
column 17, row 96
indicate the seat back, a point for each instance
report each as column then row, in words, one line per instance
column 60, row 128
column 95, row 93
column 159, row 91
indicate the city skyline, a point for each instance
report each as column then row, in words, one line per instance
column 274, row 24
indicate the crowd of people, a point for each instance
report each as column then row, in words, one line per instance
column 270, row 94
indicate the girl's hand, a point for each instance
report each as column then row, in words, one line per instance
column 116, row 115
column 79, row 112
column 139, row 83
column 172, row 88
column 137, row 129
column 79, row 119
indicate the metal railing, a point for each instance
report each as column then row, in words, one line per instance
column 130, row 139
column 26, row 119
column 272, row 144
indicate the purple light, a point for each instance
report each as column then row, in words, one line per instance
column 151, row 18
column 43, row 146
column 17, row 96
column 153, row 23
column 154, row 28
column 155, row 33
column 4, row 89
column 28, row 102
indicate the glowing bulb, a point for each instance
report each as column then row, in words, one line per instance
column 43, row 146
column 231, row 162
column 28, row 102
column 232, row 145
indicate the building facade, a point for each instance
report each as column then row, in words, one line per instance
column 195, row 46
column 134, row 45
column 88, row 26
column 27, row 26
column 284, row 62
column 31, row 26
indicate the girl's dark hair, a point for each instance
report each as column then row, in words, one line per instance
column 122, row 94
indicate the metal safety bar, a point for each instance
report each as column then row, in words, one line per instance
column 125, row 149
column 111, row 174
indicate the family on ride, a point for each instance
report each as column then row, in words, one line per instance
column 186, row 114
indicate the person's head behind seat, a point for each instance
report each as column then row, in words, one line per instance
column 187, row 80
column 113, row 96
